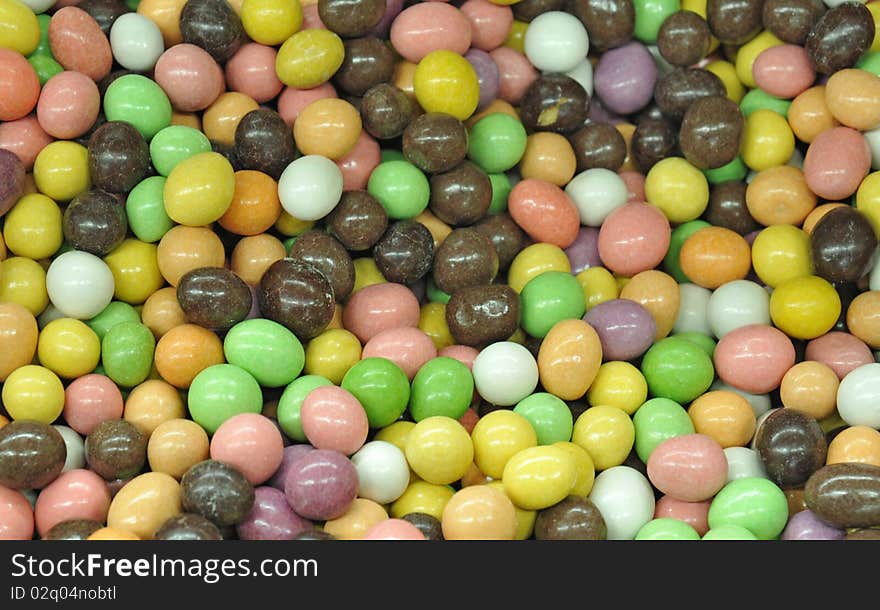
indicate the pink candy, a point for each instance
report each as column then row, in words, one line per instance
column 332, row 418
column 251, row 443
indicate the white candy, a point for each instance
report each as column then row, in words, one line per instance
column 693, row 310
column 596, row 192
column 583, row 74
column 873, row 139
column 743, row 462
column 383, row 472
column 505, row 373
column 556, row 41
column 310, row 187
column 858, row 396
column 39, row 6
column 76, row 454
column 136, row 42
column 625, row 499
column 79, row 284
column 735, row 304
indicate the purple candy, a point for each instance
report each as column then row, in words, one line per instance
column 805, row 525
column 291, row 454
column 583, row 253
column 392, row 10
column 321, row 485
column 271, row 518
column 598, row 113
column 625, row 78
column 625, row 328
column 11, row 180
column 488, row 76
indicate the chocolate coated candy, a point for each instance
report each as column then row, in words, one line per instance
column 188, row 526
column 95, row 222
column 217, row 491
column 843, row 244
column 368, row 61
column 435, row 142
column 791, row 20
column 684, row 38
column 610, row 23
column 792, row 447
column 734, row 21
column 32, row 454
column 119, row 157
column 214, row 297
column 214, row 26
column 264, row 142
column 386, row 111
column 327, row 255
column 727, row 208
column 710, row 132
column 350, row 18
column 429, row 525
column 461, row 196
column 358, row 220
column 575, row 518
column 677, row 90
column 480, row 315
column 297, row 295
column 116, row 449
column 405, row 253
column 846, row 494
column 465, row 258
column 554, row 102
column 840, row 37
column 652, row 141
column 73, row 529
column 598, row 145
column 507, row 237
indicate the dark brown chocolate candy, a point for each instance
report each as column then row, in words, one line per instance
column 507, row 237
column 73, row 529
column 734, row 21
column 217, row 491
column 526, row 10
column 12, row 177
column 297, row 295
column 610, row 23
column 710, row 132
column 462, row 195
column 405, row 252
column 429, row 525
column 116, row 449
column 367, row 62
column 846, row 495
column 840, row 37
column 791, row 20
column 652, row 141
column 677, row 90
column 554, row 102
column 264, row 142
column 95, row 222
column 872, row 533
column 480, row 315
column 351, row 18
column 104, row 12
column 358, row 221
column 214, row 297
column 32, row 454
column 575, row 518
column 119, row 157
column 435, row 142
column 684, row 38
column 386, row 111
column 598, row 145
column 795, row 500
column 315, row 534
column 792, row 447
column 843, row 244
column 214, row 26
column 327, row 255
column 188, row 526
column 727, row 208
column 465, row 258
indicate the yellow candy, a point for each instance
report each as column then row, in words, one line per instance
column 874, row 8
column 619, row 384
column 439, row 450
column 727, row 73
column 422, row 497
column 366, row 273
column 525, row 519
column 33, row 392
column 446, row 82
column 606, row 433
column 516, row 37
column 679, row 189
column 584, row 466
column 32, row 227
column 19, row 28
column 24, row 282
column 199, row 189
column 61, row 170
column 397, row 434
column 599, row 286
column 271, row 22
column 805, row 307
column 291, row 226
column 332, row 353
column 539, row 477
column 533, row 261
column 497, row 437
column 767, row 140
column 748, row 53
column 868, row 199
column 780, row 253
column 111, row 533
column 432, row 322
column 69, row 348
column 135, row 269
column 309, row 58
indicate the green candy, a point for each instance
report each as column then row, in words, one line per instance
column 381, row 387
column 677, row 369
column 657, row 420
column 671, row 262
column 401, row 188
column 549, row 298
column 127, row 353
column 650, row 15
column 549, row 415
column 729, row 532
column 133, row 5
column 265, row 349
column 139, row 101
column 500, row 191
column 435, row 295
column 43, row 47
column 754, row 503
column 870, row 62
column 290, row 404
column 496, row 143
column 45, row 66
column 666, row 528
column 175, row 143
column 735, row 170
column 115, row 313
column 706, row 342
column 288, row 244
column 220, row 392
column 443, row 386
column 757, row 99
column 390, row 154
column 145, row 209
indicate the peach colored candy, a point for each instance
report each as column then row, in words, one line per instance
column 252, row 72
column 627, row 130
column 176, row 445
column 24, row 137
column 695, row 514
column 809, row 115
column 490, row 23
column 657, row 292
column 714, row 256
column 811, row 388
column 251, row 443
column 724, row 416
column 379, row 307
column 68, row 105
column 19, row 86
column 836, row 162
column 394, row 529
column 332, row 418
column 183, row 249
column 292, row 101
column 496, row 105
column 151, row 404
column 780, row 195
column 430, row 26
column 863, row 318
column 162, row 311
column 548, row 156
column 634, row 238
column 840, row 351
column 635, row 185
column 185, row 351
column 569, row 359
column 357, row 520
column 357, row 165
column 254, row 254
column 853, row 97
column 516, row 73
column 190, row 77
column 754, row 358
column 816, row 215
column 783, row 71
column 89, row 400
column 439, row 229
column 78, row 43
column 166, row 15
column 691, row 467
column 18, row 337
column 144, row 504
column 220, row 119
column 479, row 512
column 544, row 212
column 855, row 444
column 407, row 347
column 16, row 515
column 77, row 494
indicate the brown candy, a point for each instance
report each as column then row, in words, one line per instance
column 677, row 90
column 188, row 526
column 73, row 529
column 791, row 20
column 435, row 142
column 465, row 258
column 116, row 449
column 367, row 62
column 119, row 157
column 845, row 494
column 575, row 518
column 610, row 23
column 386, row 111
column 462, row 195
column 214, row 297
column 727, row 208
column 507, row 237
column 327, row 255
column 214, row 26
column 429, row 525
column 32, row 454
column 840, row 37
column 843, row 244
column 554, row 102
column 350, row 18
column 480, row 315
column 95, row 222
column 792, row 447
column 684, row 38
column 217, row 491
column 710, row 132
column 358, row 220
column 863, row 534
column 264, row 142
column 405, row 253
column 734, row 21
column 652, row 141
column 297, row 295
column 598, row 145
column 526, row 10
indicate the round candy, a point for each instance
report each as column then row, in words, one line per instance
column 754, row 358
column 496, row 142
column 184, row 351
column 633, row 238
column 556, row 41
column 736, row 304
column 140, row 101
column 569, row 359
column 321, row 485
column 33, row 453
column 33, row 392
column 811, row 388
column 199, row 189
column 855, row 444
column 497, row 437
column 677, row 369
column 505, row 373
column 446, row 82
column 657, row 420
column 362, row 515
column 856, row 396
column 136, row 42
column 18, row 519
column 332, row 418
column 220, row 392
column 753, row 503
column 290, row 404
column 606, row 434
column 724, row 416
column 439, row 450
column 271, row 22
column 548, row 415
column 625, row 328
column 251, row 443
column 383, row 472
column 625, row 499
column 310, row 187
column 265, row 349
column 442, row 386
column 116, row 449
column 805, row 307
column 78, row 494
column 479, row 512
column 618, row 384
column 691, row 467
column 394, row 529
column 216, row 491
column 176, row 445
column 538, row 477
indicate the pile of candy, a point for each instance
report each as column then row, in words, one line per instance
column 486, row 269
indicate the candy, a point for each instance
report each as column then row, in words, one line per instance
column 625, row 500
column 188, row 526
column 216, row 491
column 844, row 494
column 479, row 512
column 78, row 494
column 33, row 453
column 175, row 446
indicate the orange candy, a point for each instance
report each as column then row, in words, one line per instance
column 811, row 388
column 329, row 127
column 855, row 444
column 18, row 338
column 714, row 256
column 853, row 97
column 809, row 115
column 166, row 15
column 162, row 311
column 255, row 205
column 185, row 351
column 863, row 318
column 725, row 416
column 254, row 254
column 151, row 404
column 19, row 86
column 545, row 212
column 223, row 116
column 657, row 292
column 183, row 249
column 548, row 156
column 627, row 130
column 439, row 229
column 780, row 196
